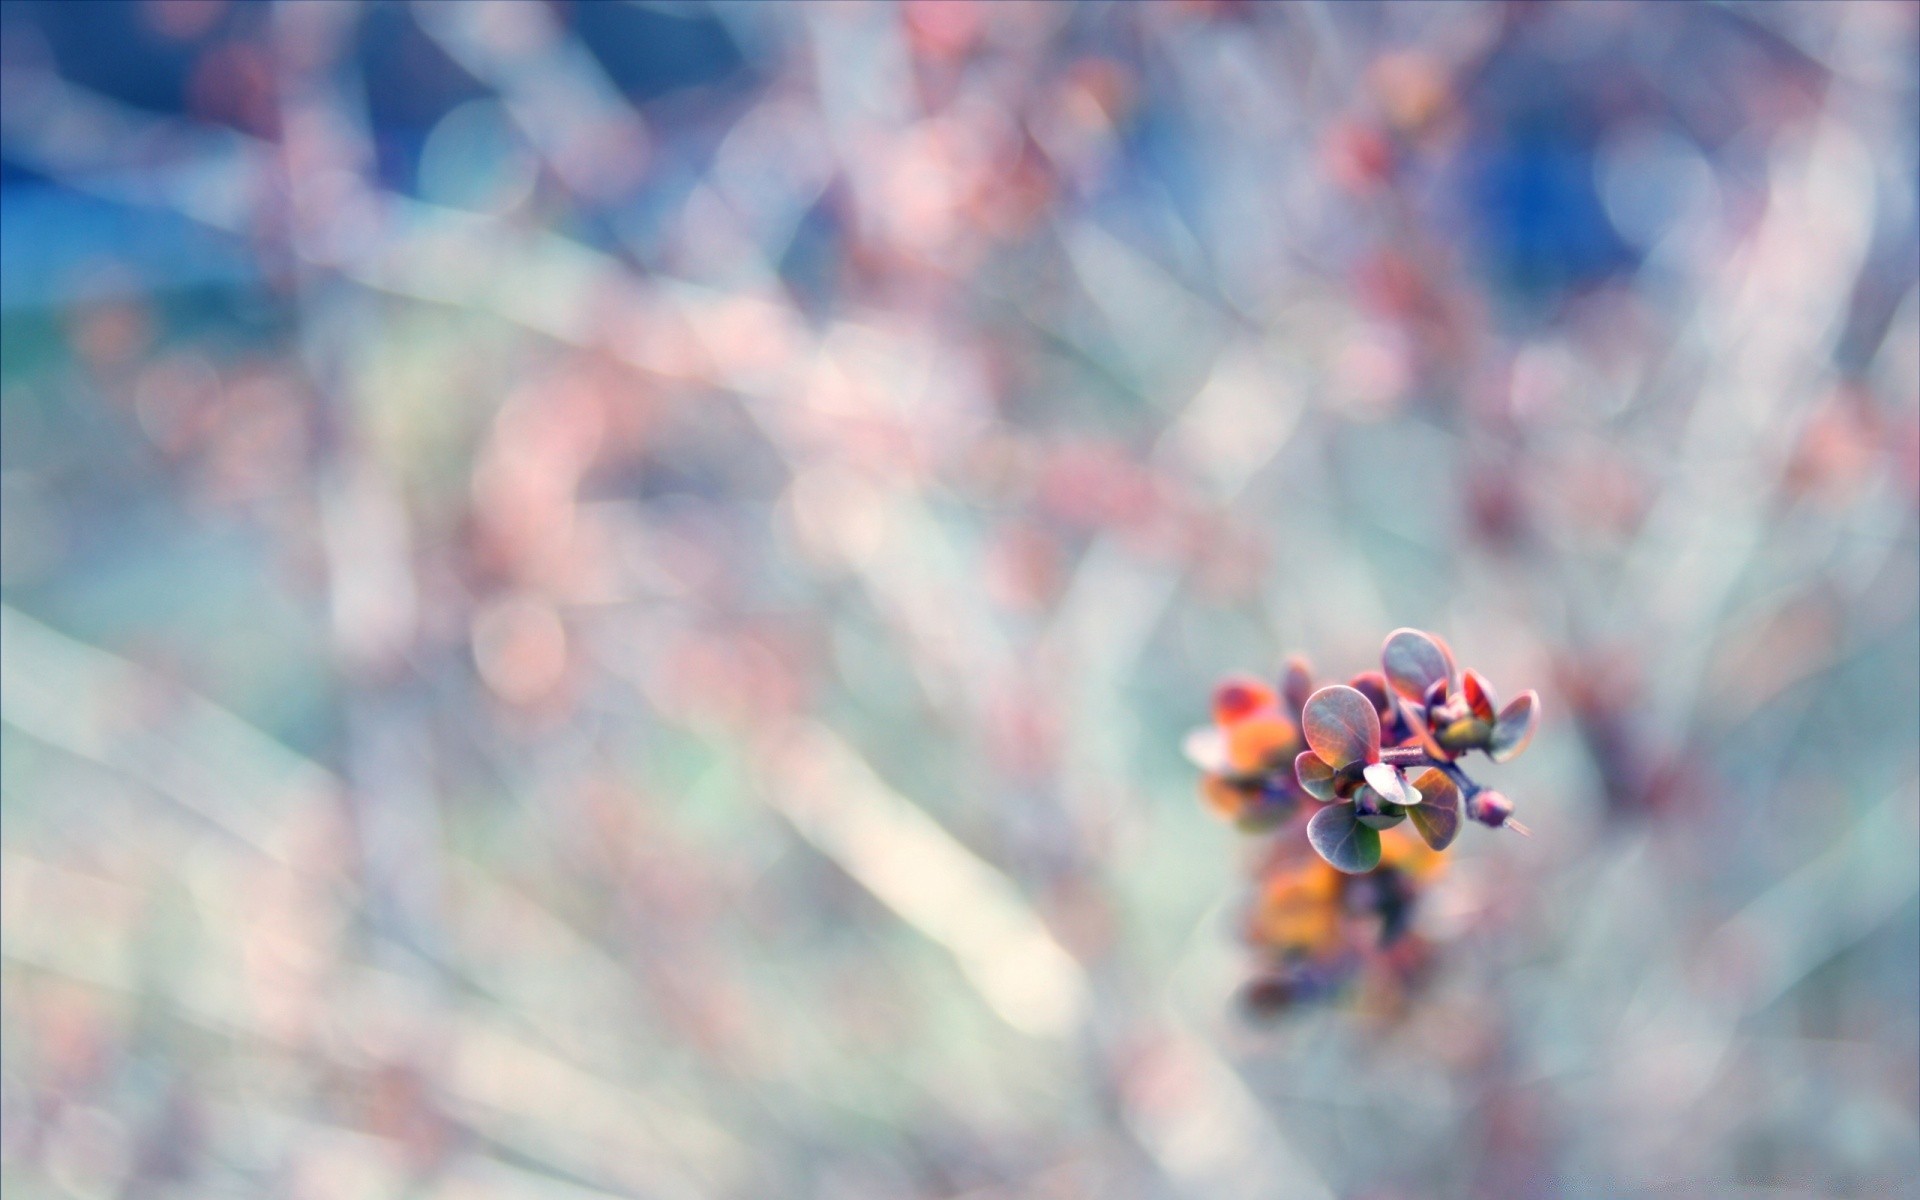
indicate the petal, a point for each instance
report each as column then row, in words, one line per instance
column 1206, row 748
column 1437, row 820
column 1341, row 726
column 1339, row 837
column 1480, row 697
column 1514, row 729
column 1315, row 776
column 1415, row 661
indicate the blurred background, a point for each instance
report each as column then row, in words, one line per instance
column 600, row 599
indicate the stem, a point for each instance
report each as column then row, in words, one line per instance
column 1407, row 756
column 1468, row 788
column 1416, row 756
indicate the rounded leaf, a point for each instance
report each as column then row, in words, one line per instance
column 1296, row 684
column 1338, row 836
column 1467, row 733
column 1341, row 726
column 1267, row 806
column 1414, row 662
column 1479, row 694
column 1390, row 784
column 1373, row 685
column 1240, row 697
column 1387, row 817
column 1261, row 743
column 1223, row 797
column 1514, row 729
column 1315, row 776
column 1437, row 819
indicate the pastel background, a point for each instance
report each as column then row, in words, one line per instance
column 600, row 599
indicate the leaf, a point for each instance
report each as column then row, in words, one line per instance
column 1339, row 837
column 1514, row 729
column 1240, row 696
column 1373, row 685
column 1261, row 743
column 1226, row 799
column 1296, row 684
column 1298, row 907
column 1437, row 820
column 1479, row 694
column 1267, row 806
column 1341, row 726
column 1206, row 748
column 1468, row 733
column 1315, row 776
column 1389, row 783
column 1388, row 816
column 1414, row 662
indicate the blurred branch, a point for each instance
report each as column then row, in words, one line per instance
column 211, row 763
column 195, row 753
column 931, row 881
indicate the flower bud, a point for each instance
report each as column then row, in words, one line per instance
column 1489, row 808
